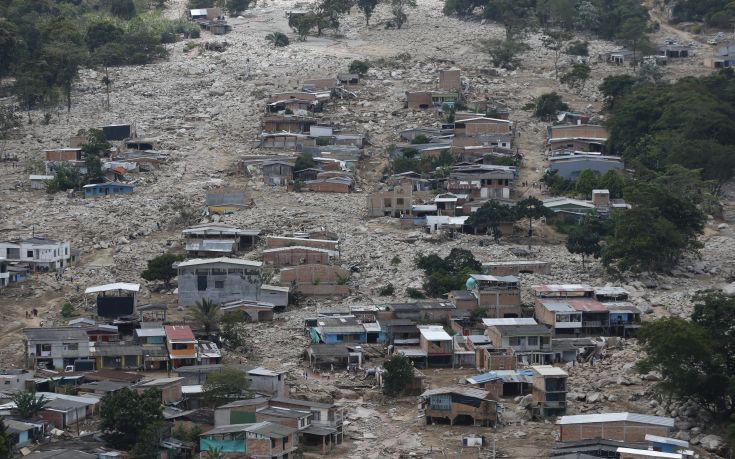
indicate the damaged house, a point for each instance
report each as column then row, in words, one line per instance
column 218, row 279
column 459, row 405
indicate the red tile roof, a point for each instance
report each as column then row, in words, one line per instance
column 179, row 332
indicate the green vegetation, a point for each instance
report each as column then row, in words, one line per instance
column 359, row 67
column 504, row 53
column 43, row 44
column 129, row 418
column 67, row 310
column 161, row 268
column 398, row 374
column 232, row 331
column 398, row 8
column 415, row 293
column 6, row 447
column 555, row 41
column 367, row 7
column 229, row 383
column 714, row 13
column 696, row 358
column 206, row 313
column 278, row 39
column 490, row 216
column 533, row 209
column 576, row 77
column 395, row 261
column 690, row 123
column 446, row 274
column 420, row 139
column 387, row 290
column 28, row 404
column 304, row 161
column 547, row 105
column 578, row 48
column 585, row 239
column 424, row 166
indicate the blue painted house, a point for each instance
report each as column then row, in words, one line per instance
column 338, row 330
column 262, row 439
column 21, row 432
column 666, row 444
column 104, row 189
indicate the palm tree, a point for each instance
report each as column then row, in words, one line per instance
column 278, row 39
column 206, row 313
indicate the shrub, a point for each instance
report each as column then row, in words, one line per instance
column 67, row 310
column 387, row 290
column 278, row 39
column 359, row 67
column 420, row 139
column 415, row 293
column 395, row 261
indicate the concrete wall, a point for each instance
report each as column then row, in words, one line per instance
column 234, row 287
column 295, row 256
column 275, row 242
column 571, row 169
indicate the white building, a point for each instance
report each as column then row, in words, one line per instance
column 39, row 253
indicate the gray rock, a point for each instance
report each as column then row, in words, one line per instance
column 594, row 397
column 711, row 442
column 729, row 290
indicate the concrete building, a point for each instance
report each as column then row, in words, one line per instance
column 55, row 347
column 218, row 279
column 39, row 253
column 392, row 203
column 500, row 295
column 459, row 405
column 549, row 390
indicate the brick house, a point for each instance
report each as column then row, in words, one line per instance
column 625, row 427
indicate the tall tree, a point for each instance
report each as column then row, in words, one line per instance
column 161, row 268
column 6, row 441
column 126, row 414
column 398, row 375
column 229, row 383
column 206, row 313
column 490, row 216
column 585, row 239
column 367, row 7
column 576, row 77
column 532, row 208
column 586, row 182
column 398, row 8
column 556, row 41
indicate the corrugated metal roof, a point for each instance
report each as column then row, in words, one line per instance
column 179, row 332
column 510, row 321
column 411, row 351
column 116, row 286
column 211, row 245
column 667, row 440
column 489, row 278
column 434, row 333
column 648, row 453
column 616, row 417
column 466, row 391
column 210, row 261
column 557, row 306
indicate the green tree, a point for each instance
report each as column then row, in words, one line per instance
column 206, row 313
column 278, row 39
column 235, row 7
column 304, row 161
column 367, row 7
column 555, row 41
column 122, row 8
column 643, row 240
column 613, row 182
column 148, row 445
column 67, row 310
column 532, row 208
column 161, row 268
column 359, row 67
column 490, row 216
column 586, row 182
column 633, row 35
column 504, row 53
column 578, row 48
column 10, row 120
column 576, row 77
column 229, row 383
column 398, row 8
column 517, row 16
column 65, row 178
column 126, row 416
column 420, row 139
column 398, row 374
column 6, row 441
column 8, row 45
column 28, row 404
column 548, row 104
column 615, row 86
column 585, row 239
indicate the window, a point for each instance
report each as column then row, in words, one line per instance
column 66, row 251
column 514, row 341
column 399, row 201
column 316, row 415
column 179, row 346
column 201, row 283
column 45, row 348
column 71, row 346
column 219, row 284
column 273, row 442
column 29, row 253
column 533, row 340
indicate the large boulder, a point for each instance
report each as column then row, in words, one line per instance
column 711, row 442
column 729, row 289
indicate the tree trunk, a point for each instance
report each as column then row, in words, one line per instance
column 530, row 232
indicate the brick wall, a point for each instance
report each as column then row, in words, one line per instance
column 616, row 431
column 295, row 256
